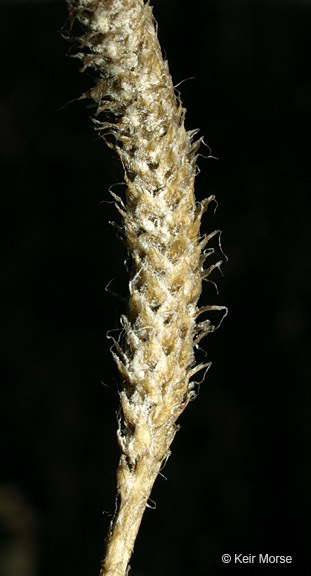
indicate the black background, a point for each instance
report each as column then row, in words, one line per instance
column 239, row 475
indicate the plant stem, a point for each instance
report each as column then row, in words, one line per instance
column 133, row 499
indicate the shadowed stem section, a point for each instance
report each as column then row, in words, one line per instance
column 121, row 539
column 161, row 225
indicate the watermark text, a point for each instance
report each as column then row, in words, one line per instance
column 256, row 559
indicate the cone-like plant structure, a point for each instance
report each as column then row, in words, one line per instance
column 161, row 225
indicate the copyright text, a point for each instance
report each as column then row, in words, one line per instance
column 256, row 559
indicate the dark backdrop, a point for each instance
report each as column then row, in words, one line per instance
column 238, row 479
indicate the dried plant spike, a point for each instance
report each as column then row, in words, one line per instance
column 161, row 225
